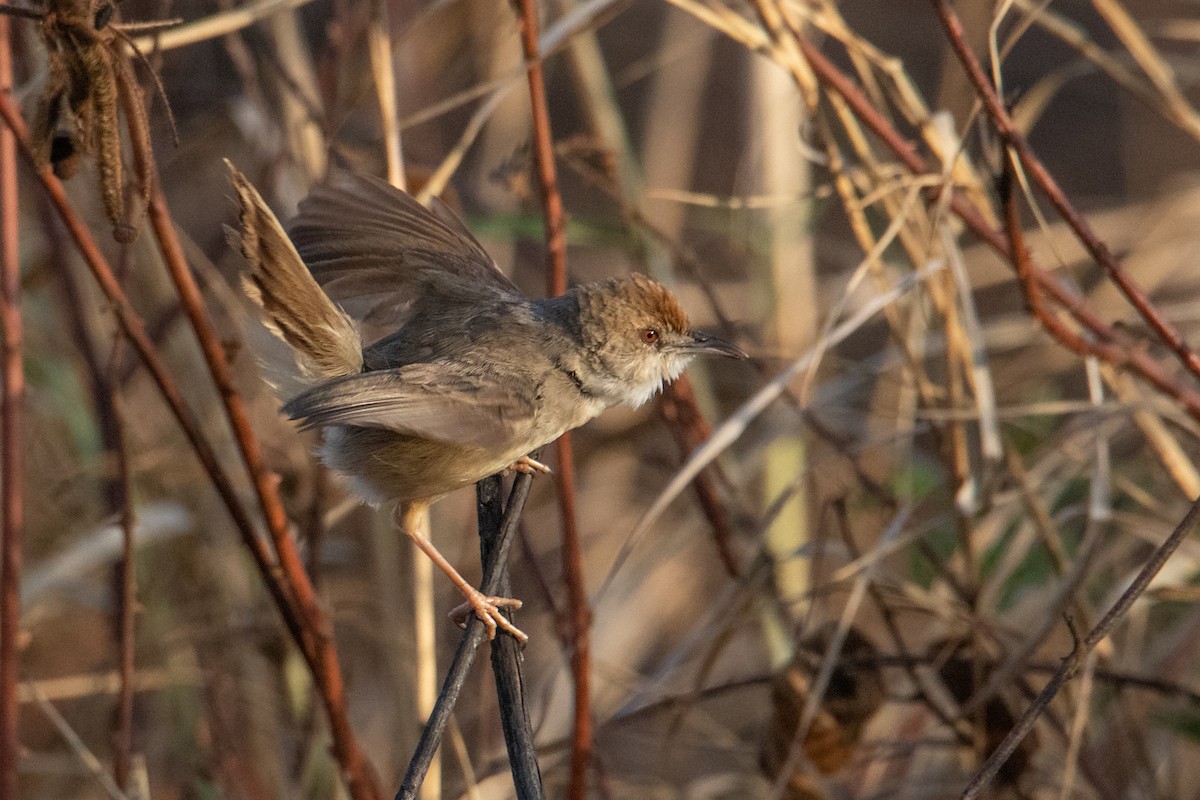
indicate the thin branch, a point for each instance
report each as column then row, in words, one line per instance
column 1071, row 663
column 78, row 747
column 1135, row 359
column 1045, row 183
column 318, row 630
column 507, row 660
column 125, row 581
column 105, row 389
column 473, row 636
column 11, row 473
column 556, row 284
column 687, row 425
column 134, row 329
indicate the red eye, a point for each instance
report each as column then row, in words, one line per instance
column 649, row 335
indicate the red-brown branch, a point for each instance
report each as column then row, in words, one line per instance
column 134, row 329
column 1136, row 360
column 1049, row 187
column 556, row 284
column 317, row 628
column 10, row 444
column 1034, row 296
column 689, row 429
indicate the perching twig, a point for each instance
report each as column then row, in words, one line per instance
column 494, row 571
column 507, row 658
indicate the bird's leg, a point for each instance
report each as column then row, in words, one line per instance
column 408, row 517
column 527, row 465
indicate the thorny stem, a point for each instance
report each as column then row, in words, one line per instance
column 315, row 623
column 11, row 474
column 556, row 284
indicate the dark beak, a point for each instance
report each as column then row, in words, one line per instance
column 702, row 342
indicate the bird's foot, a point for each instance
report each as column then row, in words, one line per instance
column 488, row 610
column 528, row 466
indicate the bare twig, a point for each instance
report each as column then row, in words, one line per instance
column 1134, row 359
column 134, row 329
column 316, row 625
column 556, row 284
column 11, row 474
column 689, row 427
column 1046, row 184
column 78, row 747
column 110, row 424
column 1071, row 663
column 126, row 584
column 472, row 637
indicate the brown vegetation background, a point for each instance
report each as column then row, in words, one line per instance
column 900, row 537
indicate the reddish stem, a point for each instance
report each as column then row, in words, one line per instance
column 135, row 330
column 11, row 473
column 317, row 628
column 1135, row 359
column 1045, row 182
column 556, row 284
column 689, row 428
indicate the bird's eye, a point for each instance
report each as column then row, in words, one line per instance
column 649, row 335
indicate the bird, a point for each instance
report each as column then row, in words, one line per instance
column 425, row 368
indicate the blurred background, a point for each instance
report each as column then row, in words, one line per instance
column 937, row 486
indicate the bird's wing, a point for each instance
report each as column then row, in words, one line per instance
column 379, row 253
column 442, row 401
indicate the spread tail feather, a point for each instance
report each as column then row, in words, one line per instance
column 323, row 339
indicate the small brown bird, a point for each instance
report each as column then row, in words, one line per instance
column 469, row 375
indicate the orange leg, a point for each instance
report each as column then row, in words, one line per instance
column 409, row 518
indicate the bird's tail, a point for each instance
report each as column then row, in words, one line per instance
column 323, row 339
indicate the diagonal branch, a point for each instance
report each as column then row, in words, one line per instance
column 318, row 630
column 1046, row 184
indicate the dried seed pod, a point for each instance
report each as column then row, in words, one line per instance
column 78, row 111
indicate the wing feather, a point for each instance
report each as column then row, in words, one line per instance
column 378, row 253
column 441, row 401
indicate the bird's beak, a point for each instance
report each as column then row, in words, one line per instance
column 702, row 342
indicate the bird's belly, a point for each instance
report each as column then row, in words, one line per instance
column 385, row 466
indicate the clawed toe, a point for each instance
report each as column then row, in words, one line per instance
column 488, row 610
column 528, row 466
